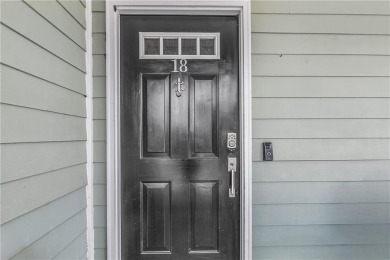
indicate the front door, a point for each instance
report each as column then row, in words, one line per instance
column 179, row 117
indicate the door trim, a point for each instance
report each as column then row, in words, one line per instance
column 114, row 9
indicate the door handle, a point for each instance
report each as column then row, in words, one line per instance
column 232, row 168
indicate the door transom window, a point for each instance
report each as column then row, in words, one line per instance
column 179, row 45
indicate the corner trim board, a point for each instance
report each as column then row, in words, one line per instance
column 114, row 9
column 89, row 126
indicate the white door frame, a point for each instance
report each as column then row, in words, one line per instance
column 114, row 9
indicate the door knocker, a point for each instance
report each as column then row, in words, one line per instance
column 180, row 88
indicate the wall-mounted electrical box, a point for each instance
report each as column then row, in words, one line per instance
column 268, row 153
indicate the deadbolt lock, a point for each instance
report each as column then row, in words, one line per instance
column 231, row 141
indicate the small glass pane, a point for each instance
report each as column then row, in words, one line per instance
column 207, row 47
column 152, row 46
column 171, row 47
column 188, row 46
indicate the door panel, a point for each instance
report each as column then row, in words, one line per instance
column 155, row 93
column 203, row 116
column 204, row 216
column 156, row 217
column 175, row 183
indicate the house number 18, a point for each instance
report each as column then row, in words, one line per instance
column 183, row 66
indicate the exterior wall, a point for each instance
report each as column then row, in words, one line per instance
column 321, row 91
column 99, row 127
column 43, row 131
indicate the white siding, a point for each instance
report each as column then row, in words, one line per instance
column 321, row 92
column 43, row 131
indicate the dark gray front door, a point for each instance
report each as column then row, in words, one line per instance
column 174, row 156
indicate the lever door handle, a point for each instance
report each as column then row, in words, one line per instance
column 232, row 167
column 232, row 189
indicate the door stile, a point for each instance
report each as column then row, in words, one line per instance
column 179, row 115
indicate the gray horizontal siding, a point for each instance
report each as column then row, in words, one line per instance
column 39, row 126
column 43, row 130
column 25, row 90
column 75, row 249
column 324, row 23
column 322, row 7
column 99, row 152
column 285, row 171
column 320, row 44
column 99, row 197
column 321, row 128
column 24, row 195
column 338, row 87
column 101, row 237
column 23, row 160
column 321, row 192
column 100, row 253
column 334, row 252
column 44, row 33
column 100, row 216
column 320, row 65
column 56, row 240
column 84, row 256
column 99, row 43
column 99, row 108
column 75, row 9
column 313, row 70
column 99, row 87
column 321, row 235
column 98, row 5
column 57, row 15
column 33, row 59
column 324, row 149
column 43, row 219
column 321, row 214
column 320, row 108
column 98, row 22
column 99, row 172
column 320, row 87
column 99, row 65
column 99, row 129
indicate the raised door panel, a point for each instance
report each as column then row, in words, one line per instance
column 155, row 218
column 204, row 217
column 203, row 124
column 155, row 99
